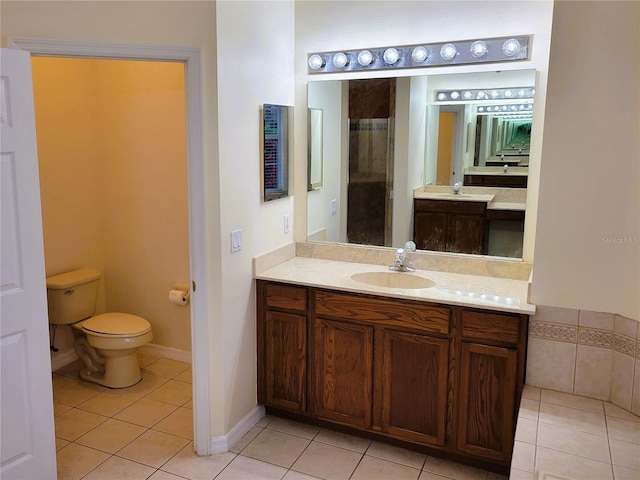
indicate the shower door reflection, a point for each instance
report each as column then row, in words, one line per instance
column 370, row 199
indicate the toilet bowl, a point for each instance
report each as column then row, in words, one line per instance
column 116, row 338
column 106, row 343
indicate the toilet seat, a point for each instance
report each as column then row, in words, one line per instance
column 116, row 325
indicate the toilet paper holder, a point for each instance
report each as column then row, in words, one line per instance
column 179, row 295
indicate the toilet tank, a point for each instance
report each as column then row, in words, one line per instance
column 71, row 296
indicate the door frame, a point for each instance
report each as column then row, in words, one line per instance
column 191, row 58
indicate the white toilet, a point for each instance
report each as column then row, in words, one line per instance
column 107, row 343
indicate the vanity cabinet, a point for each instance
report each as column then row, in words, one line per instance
column 490, row 383
column 362, row 341
column 511, row 181
column 445, row 378
column 282, row 346
column 450, row 226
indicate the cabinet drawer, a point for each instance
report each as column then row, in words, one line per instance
column 450, row 206
column 380, row 311
column 490, row 327
column 287, row 297
column 514, row 215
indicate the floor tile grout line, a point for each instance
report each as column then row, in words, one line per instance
column 107, row 417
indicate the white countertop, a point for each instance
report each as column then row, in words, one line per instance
column 450, row 288
column 458, row 197
column 507, row 206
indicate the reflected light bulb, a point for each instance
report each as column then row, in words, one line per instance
column 419, row 54
column 442, row 96
column 448, row 51
column 511, row 47
column 467, row 95
column 478, row 49
column 455, row 95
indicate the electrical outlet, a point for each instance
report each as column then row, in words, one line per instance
column 286, row 224
column 333, row 207
column 236, row 241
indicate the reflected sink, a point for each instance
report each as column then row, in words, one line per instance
column 393, row 280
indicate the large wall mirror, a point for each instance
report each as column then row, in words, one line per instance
column 383, row 138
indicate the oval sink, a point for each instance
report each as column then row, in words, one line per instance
column 392, row 280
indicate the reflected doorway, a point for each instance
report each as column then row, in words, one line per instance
column 371, row 143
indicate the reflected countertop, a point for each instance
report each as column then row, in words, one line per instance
column 501, row 294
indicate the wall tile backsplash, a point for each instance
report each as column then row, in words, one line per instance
column 587, row 353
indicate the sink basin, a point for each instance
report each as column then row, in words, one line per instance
column 393, row 280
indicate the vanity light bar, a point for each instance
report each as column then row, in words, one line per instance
column 512, row 108
column 466, row 95
column 502, row 49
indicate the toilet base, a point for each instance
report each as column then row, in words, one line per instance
column 119, row 372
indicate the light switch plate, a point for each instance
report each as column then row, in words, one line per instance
column 236, row 240
column 286, row 224
column 333, row 207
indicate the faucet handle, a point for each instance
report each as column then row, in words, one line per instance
column 410, row 246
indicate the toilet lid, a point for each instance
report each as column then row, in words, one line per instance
column 117, row 324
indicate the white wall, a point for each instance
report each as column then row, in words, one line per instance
column 588, row 237
column 255, row 43
column 333, row 25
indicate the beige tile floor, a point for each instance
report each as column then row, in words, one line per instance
column 564, row 436
column 145, row 432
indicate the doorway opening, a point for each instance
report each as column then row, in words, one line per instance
column 190, row 59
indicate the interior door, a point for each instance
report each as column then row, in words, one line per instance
column 28, row 440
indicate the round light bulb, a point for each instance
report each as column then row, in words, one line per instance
column 495, row 94
column 522, row 92
column 511, row 47
column 316, row 62
column 467, row 95
column 391, row 56
column 508, row 93
column 365, row 57
column 448, row 51
column 533, row 92
column 478, row 49
column 455, row 95
column 442, row 96
column 419, row 54
column 481, row 109
column 340, row 60
column 481, row 96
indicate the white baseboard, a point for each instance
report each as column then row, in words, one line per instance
column 224, row 443
column 167, row 352
column 60, row 359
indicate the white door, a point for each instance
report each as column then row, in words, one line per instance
column 28, row 439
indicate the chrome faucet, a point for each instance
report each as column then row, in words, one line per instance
column 402, row 264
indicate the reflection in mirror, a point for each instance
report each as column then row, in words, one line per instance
column 275, row 149
column 423, row 149
column 315, row 149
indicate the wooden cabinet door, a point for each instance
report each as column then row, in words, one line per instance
column 430, row 231
column 465, row 233
column 343, row 372
column 414, row 384
column 285, row 361
column 486, row 401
